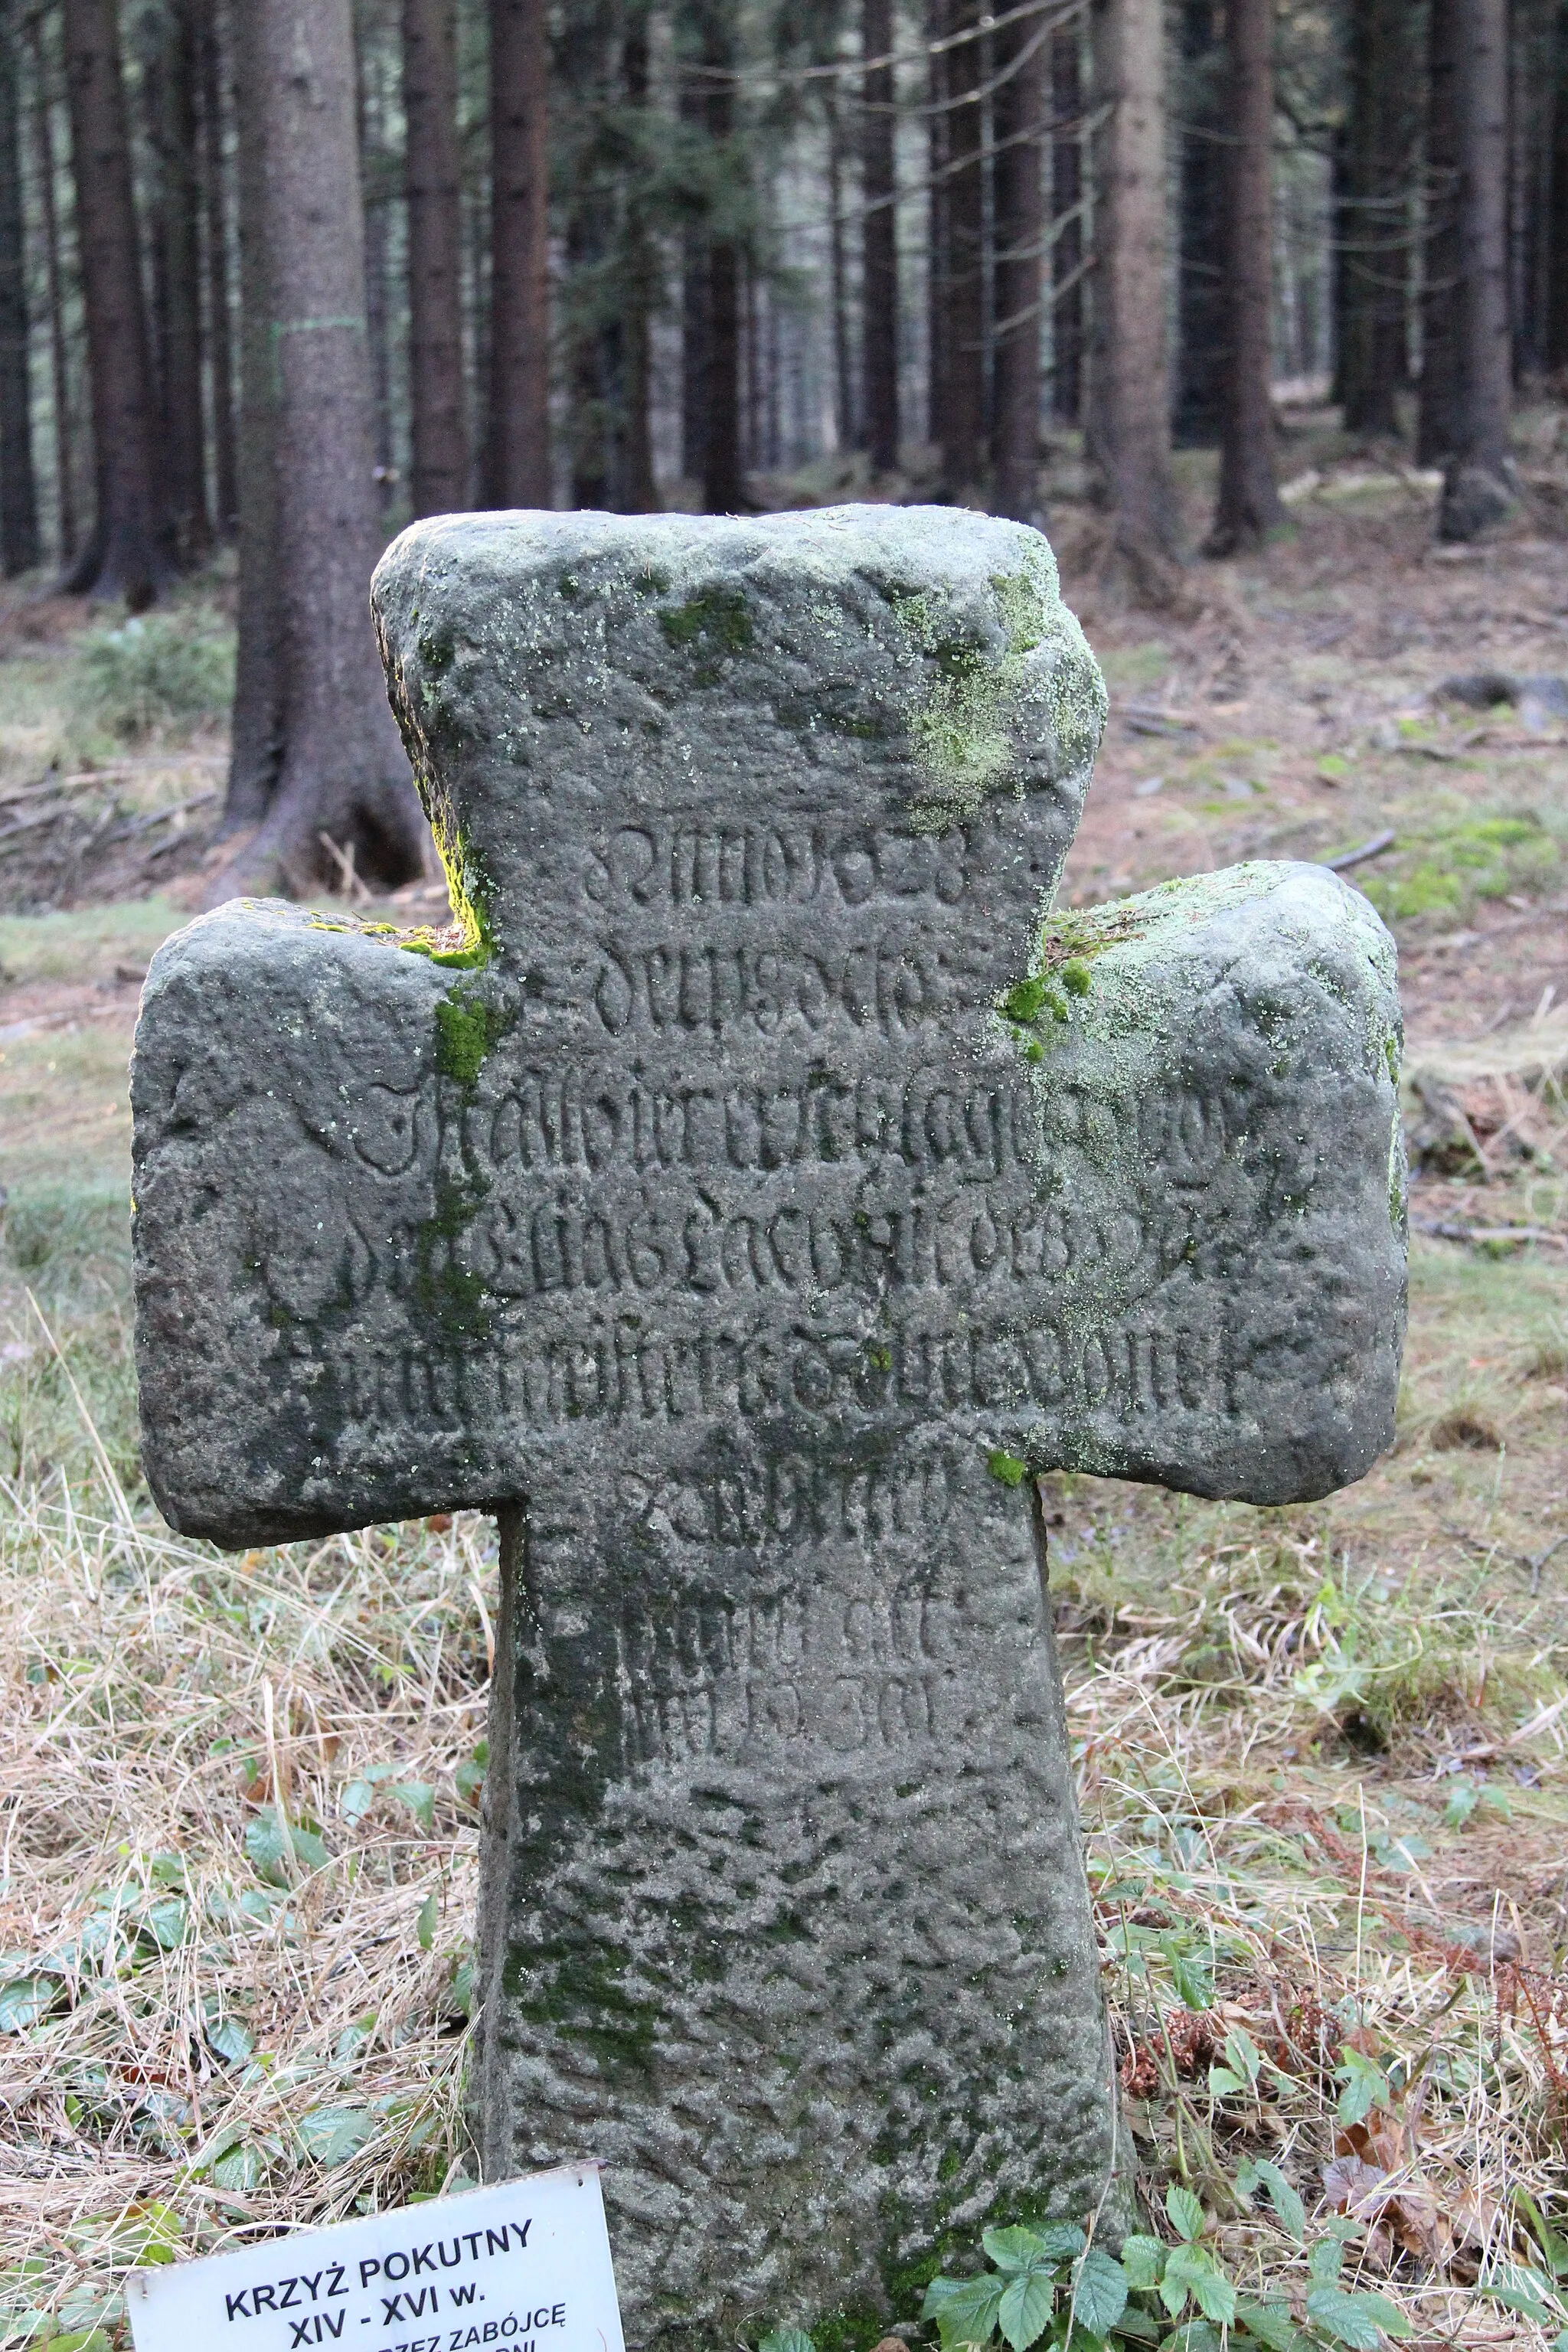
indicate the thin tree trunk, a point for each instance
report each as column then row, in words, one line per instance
column 1480, row 484
column 838, row 278
column 215, row 219
column 1066, row 249
column 60, row 358
column 1373, row 231
column 343, row 778
column 879, row 244
column 127, row 554
column 516, row 449
column 723, row 490
column 435, row 257
column 1248, row 506
column 1129, row 405
column 376, row 165
column 963, row 442
column 939, row 240
column 641, row 263
column 1440, row 292
column 1557, row 225
column 183, row 432
column 18, row 490
column 256, row 731
column 1200, row 106
column 1020, row 229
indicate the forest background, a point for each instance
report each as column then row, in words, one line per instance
column 1264, row 312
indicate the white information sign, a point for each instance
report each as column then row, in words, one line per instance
column 525, row 2265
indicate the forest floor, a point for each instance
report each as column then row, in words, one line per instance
column 1322, row 1750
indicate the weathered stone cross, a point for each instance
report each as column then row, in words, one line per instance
column 771, row 1181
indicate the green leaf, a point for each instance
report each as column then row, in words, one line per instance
column 166, row 1922
column 1553, row 2247
column 26, row 2001
column 1521, row 2288
column 1326, row 2259
column 1025, row 2247
column 1143, row 2259
column 1138, row 2326
column 1194, row 1984
column 1223, row 2084
column 90, row 2339
column 1365, row 2087
column 1258, row 2172
column 238, row 2169
column 1357, row 2321
column 1099, row 2291
column 1463, row 1799
column 356, row 1801
column 332, row 2135
column 232, row 2041
column 965, row 2310
column 1193, row 2336
column 470, row 1779
column 1190, row 2270
column 787, row 2340
column 269, row 1841
column 1024, row 2310
column 420, row 1800
column 1186, row 2213
column 1243, row 2054
column 429, row 1912
column 1268, row 2323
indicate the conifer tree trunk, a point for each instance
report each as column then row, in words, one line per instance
column 59, row 361
column 214, row 231
column 517, row 448
column 1556, row 323
column 1129, row 406
column 1021, row 65
column 879, row 243
column 963, row 320
column 640, row 491
column 1479, row 483
column 1440, row 291
column 1200, row 104
column 182, row 423
column 255, row 728
column 1067, row 248
column 838, row 278
column 127, row 554
column 18, row 490
column 723, row 489
column 342, row 777
column 939, row 241
column 1248, row 506
column 434, row 181
column 1373, row 258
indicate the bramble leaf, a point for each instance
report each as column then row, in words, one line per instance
column 1143, row 2259
column 1099, row 2291
column 965, row 2310
column 1186, row 2213
column 1025, row 2310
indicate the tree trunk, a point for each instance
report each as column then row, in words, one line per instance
column 939, row 241
column 516, row 449
column 880, row 243
column 342, row 777
column 378, row 168
column 215, row 220
column 963, row 370
column 127, row 554
column 713, row 104
column 18, row 491
column 1556, row 330
column 1201, row 323
column 1067, row 218
column 1248, row 506
column 184, row 431
column 1374, row 258
column 440, row 484
column 640, row 491
column 838, row 278
column 256, row 729
column 1440, row 291
column 1129, row 405
column 60, row 358
column 1021, row 61
column 1480, row 485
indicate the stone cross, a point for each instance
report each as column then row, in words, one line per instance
column 771, row 1177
